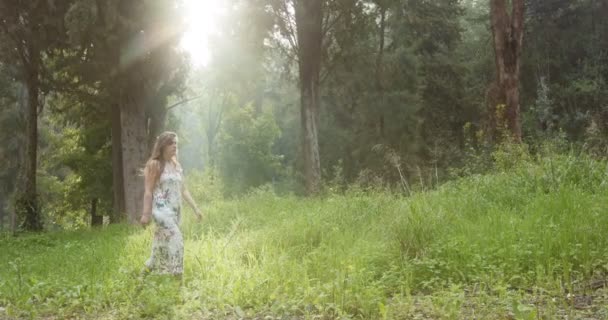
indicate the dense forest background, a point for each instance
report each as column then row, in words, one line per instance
column 300, row 97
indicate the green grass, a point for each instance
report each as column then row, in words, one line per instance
column 518, row 244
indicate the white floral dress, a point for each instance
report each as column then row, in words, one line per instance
column 168, row 245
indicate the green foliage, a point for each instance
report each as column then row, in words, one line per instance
column 564, row 84
column 74, row 167
column 205, row 185
column 246, row 156
column 75, row 170
column 396, row 80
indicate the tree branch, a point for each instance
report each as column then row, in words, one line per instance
column 183, row 101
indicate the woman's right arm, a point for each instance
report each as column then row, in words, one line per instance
column 149, row 179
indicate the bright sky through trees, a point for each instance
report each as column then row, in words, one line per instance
column 202, row 17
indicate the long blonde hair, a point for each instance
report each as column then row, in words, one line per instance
column 156, row 164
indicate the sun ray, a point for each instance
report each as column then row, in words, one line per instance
column 202, row 18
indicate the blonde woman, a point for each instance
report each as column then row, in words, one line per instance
column 164, row 189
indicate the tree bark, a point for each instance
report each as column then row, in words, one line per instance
column 211, row 133
column 134, row 147
column 117, row 171
column 508, row 31
column 96, row 220
column 214, row 121
column 379, row 68
column 2, row 208
column 28, row 202
column 309, row 20
column 13, row 222
column 22, row 107
column 156, row 125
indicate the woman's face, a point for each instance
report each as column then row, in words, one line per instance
column 170, row 150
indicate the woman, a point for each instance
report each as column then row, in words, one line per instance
column 164, row 188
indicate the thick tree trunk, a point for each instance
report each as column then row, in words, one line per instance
column 156, row 125
column 508, row 31
column 134, row 148
column 27, row 201
column 309, row 19
column 13, row 221
column 117, row 171
column 19, row 189
column 312, row 165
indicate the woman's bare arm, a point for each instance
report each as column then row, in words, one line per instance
column 149, row 180
column 188, row 197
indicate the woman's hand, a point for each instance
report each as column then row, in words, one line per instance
column 186, row 196
column 198, row 214
column 145, row 219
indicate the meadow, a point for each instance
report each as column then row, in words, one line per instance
column 528, row 241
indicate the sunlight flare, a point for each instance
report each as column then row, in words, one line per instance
column 202, row 17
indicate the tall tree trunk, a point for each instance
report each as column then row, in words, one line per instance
column 379, row 68
column 117, row 171
column 508, row 31
column 13, row 221
column 211, row 149
column 19, row 189
column 96, row 220
column 2, row 208
column 134, row 148
column 309, row 20
column 27, row 202
column 214, row 121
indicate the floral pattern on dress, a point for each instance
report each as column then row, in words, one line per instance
column 168, row 245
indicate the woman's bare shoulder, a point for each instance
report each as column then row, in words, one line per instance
column 152, row 167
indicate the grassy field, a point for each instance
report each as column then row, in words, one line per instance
column 528, row 242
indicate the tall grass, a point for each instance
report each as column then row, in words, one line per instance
column 539, row 224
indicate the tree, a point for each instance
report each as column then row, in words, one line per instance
column 33, row 29
column 12, row 134
column 309, row 25
column 130, row 47
column 508, row 33
column 300, row 24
